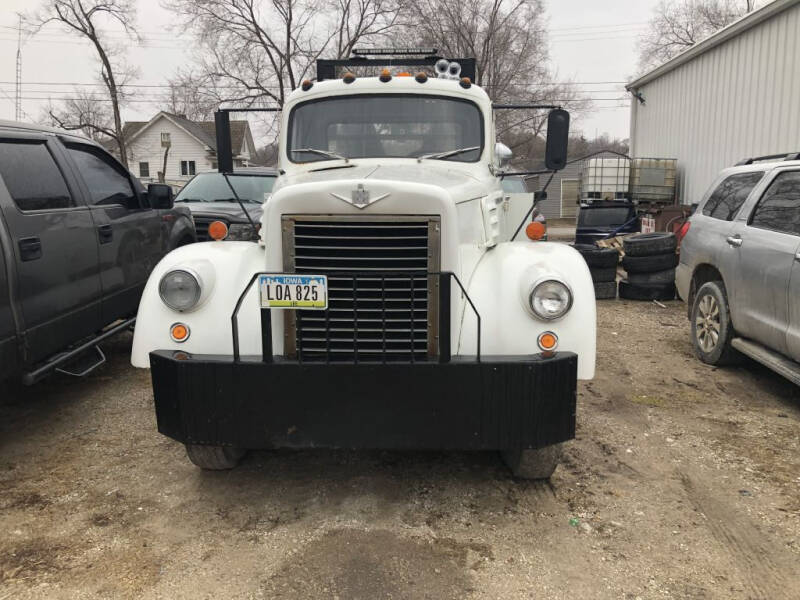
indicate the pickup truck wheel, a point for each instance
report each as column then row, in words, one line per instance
column 214, row 458
column 533, row 464
column 712, row 329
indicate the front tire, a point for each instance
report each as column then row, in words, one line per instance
column 712, row 329
column 536, row 463
column 214, row 458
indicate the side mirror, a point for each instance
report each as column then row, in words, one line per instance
column 502, row 155
column 159, row 195
column 555, row 155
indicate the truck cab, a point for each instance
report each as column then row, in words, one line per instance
column 386, row 304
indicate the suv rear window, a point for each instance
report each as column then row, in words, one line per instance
column 725, row 202
column 32, row 176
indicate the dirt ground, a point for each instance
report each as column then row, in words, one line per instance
column 683, row 482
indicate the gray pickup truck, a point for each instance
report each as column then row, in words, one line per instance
column 739, row 266
column 79, row 236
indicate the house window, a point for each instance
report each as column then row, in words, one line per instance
column 144, row 169
column 188, row 167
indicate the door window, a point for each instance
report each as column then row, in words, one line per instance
column 779, row 207
column 106, row 179
column 725, row 202
column 32, row 177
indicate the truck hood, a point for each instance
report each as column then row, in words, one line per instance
column 231, row 211
column 458, row 184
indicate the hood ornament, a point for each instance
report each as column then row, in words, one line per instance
column 360, row 197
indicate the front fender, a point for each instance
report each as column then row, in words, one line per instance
column 498, row 290
column 225, row 267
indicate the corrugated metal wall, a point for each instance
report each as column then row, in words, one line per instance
column 739, row 99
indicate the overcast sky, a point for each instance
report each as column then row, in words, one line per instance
column 591, row 43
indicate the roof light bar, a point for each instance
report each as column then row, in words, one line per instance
column 394, row 51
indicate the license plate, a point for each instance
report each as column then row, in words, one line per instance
column 308, row 292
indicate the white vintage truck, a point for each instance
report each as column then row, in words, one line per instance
column 385, row 305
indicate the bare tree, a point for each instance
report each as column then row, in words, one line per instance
column 679, row 24
column 193, row 95
column 84, row 113
column 260, row 50
column 82, row 18
column 509, row 40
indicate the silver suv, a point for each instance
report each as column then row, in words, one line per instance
column 739, row 267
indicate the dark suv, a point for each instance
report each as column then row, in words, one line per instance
column 79, row 236
column 233, row 198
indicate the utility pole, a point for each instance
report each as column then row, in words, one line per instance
column 18, row 88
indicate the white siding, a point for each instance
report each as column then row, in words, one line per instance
column 146, row 147
column 739, row 99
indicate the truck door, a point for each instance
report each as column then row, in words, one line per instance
column 766, row 246
column 54, row 245
column 129, row 233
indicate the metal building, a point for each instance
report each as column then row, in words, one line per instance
column 734, row 95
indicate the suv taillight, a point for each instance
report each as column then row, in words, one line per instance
column 683, row 231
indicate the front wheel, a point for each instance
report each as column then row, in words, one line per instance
column 536, row 463
column 214, row 458
column 712, row 329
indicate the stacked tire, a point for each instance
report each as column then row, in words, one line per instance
column 650, row 262
column 602, row 264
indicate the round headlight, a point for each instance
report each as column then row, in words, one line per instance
column 179, row 289
column 550, row 300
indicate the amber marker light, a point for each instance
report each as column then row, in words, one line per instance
column 217, row 231
column 465, row 83
column 548, row 342
column 307, row 85
column 349, row 78
column 535, row 230
column 386, row 76
column 421, row 77
column 404, row 74
column 179, row 332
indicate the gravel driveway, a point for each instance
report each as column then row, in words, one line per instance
column 684, row 482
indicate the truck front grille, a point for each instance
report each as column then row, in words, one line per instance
column 382, row 302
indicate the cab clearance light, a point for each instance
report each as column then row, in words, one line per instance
column 386, row 76
column 465, row 83
column 404, row 74
column 349, row 78
column 307, row 84
column 548, row 342
column 179, row 332
column 421, row 77
column 535, row 230
column 217, row 231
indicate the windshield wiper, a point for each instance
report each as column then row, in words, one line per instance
column 250, row 200
column 448, row 153
column 322, row 153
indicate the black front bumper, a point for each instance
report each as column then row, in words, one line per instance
column 497, row 403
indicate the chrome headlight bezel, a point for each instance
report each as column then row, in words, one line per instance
column 196, row 295
column 535, row 295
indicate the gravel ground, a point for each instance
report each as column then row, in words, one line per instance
column 683, row 482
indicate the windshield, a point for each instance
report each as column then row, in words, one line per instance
column 611, row 216
column 385, row 126
column 212, row 187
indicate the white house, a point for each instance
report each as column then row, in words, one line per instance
column 187, row 147
column 733, row 96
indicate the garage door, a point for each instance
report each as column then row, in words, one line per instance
column 569, row 197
